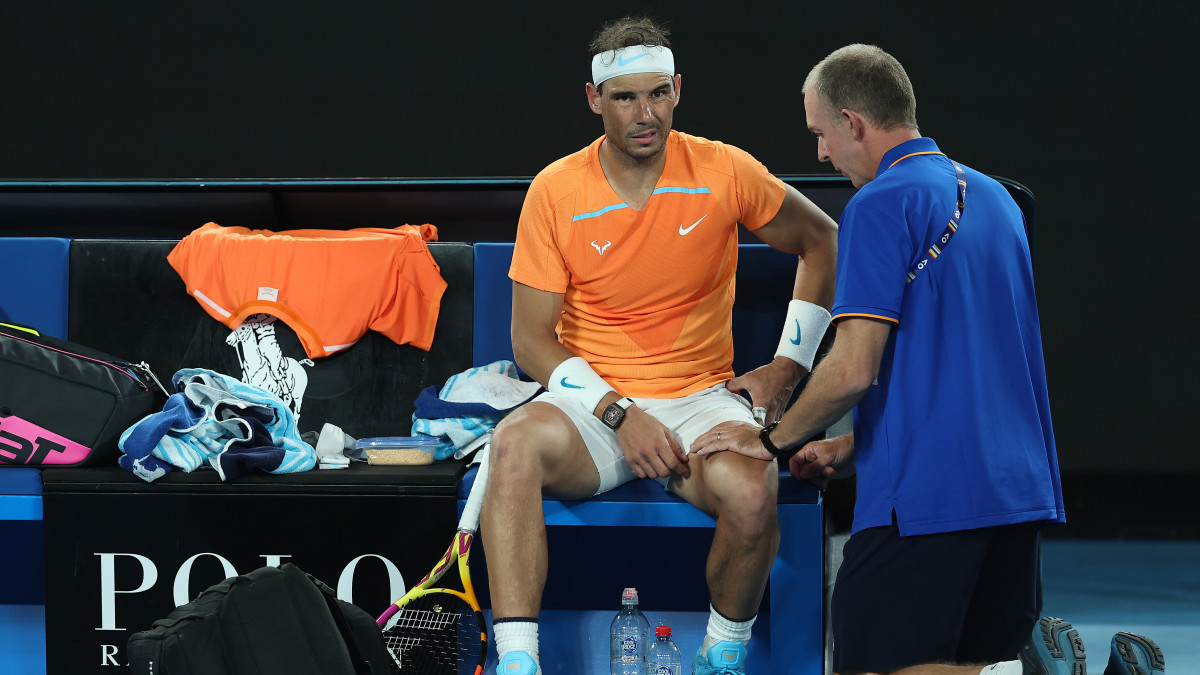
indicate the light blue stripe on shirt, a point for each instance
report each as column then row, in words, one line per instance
column 593, row 214
column 622, row 205
column 686, row 191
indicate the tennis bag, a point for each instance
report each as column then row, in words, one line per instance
column 65, row 404
column 272, row 621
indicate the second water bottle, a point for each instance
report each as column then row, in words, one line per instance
column 663, row 657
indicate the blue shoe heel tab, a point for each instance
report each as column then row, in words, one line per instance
column 723, row 658
column 516, row 663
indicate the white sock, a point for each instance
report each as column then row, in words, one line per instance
column 518, row 634
column 721, row 629
column 1003, row 668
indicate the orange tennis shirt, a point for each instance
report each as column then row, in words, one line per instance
column 330, row 286
column 647, row 294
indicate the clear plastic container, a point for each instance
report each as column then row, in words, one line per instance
column 398, row 450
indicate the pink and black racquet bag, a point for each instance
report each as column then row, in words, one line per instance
column 64, row 404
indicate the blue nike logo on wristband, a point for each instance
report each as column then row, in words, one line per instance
column 568, row 385
column 797, row 340
column 626, row 61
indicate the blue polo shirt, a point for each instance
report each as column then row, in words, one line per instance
column 956, row 434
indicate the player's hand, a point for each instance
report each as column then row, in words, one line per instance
column 819, row 462
column 650, row 448
column 770, row 386
column 739, row 437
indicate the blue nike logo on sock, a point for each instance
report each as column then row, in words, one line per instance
column 797, row 340
column 626, row 61
column 568, row 385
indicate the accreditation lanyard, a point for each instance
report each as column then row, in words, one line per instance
column 936, row 250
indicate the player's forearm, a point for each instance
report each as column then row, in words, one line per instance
column 545, row 361
column 538, row 356
column 815, row 272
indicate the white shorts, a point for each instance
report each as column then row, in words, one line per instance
column 686, row 417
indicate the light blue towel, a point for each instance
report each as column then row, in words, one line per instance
column 217, row 420
column 470, row 405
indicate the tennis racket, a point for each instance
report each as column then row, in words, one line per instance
column 441, row 630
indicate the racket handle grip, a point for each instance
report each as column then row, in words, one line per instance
column 469, row 521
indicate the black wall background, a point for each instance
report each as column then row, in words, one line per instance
column 1091, row 106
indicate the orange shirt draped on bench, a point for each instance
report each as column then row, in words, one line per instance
column 647, row 294
column 330, row 286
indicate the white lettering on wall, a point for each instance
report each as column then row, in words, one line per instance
column 108, row 583
column 345, row 584
column 184, row 575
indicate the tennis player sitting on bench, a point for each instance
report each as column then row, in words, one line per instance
column 627, row 251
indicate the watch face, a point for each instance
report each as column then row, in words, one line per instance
column 614, row 415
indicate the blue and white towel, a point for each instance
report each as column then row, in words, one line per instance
column 215, row 419
column 463, row 412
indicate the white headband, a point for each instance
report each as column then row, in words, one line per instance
column 630, row 60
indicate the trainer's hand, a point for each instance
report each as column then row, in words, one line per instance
column 739, row 437
column 770, row 386
column 649, row 447
column 821, row 461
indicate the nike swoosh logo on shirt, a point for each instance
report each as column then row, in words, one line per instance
column 568, row 385
column 684, row 230
column 626, row 61
column 797, row 340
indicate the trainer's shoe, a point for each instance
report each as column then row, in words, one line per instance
column 728, row 658
column 1134, row 655
column 516, row 663
column 1055, row 648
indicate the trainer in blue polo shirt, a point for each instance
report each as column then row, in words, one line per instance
column 956, row 435
column 938, row 352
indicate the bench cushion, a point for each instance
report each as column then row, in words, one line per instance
column 35, row 291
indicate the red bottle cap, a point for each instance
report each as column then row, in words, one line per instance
column 662, row 631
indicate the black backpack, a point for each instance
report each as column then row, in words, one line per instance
column 271, row 621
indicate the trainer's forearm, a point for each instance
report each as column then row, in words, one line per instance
column 832, row 391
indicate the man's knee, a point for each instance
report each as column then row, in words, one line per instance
column 744, row 490
column 535, row 446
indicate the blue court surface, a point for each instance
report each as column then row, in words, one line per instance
column 1147, row 587
column 1100, row 586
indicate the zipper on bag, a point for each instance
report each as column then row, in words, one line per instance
column 125, row 369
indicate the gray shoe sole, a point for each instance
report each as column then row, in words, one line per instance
column 1134, row 655
column 1054, row 649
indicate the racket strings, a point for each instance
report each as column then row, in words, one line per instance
column 434, row 634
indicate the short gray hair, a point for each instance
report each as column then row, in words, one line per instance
column 869, row 81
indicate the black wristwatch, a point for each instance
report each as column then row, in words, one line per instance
column 614, row 414
column 765, row 437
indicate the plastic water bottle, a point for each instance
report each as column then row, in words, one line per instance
column 663, row 657
column 628, row 637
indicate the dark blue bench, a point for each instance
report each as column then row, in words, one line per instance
column 789, row 634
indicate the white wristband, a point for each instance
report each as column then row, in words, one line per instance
column 802, row 332
column 574, row 378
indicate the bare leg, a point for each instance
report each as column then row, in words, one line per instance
column 939, row 669
column 536, row 450
column 741, row 494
